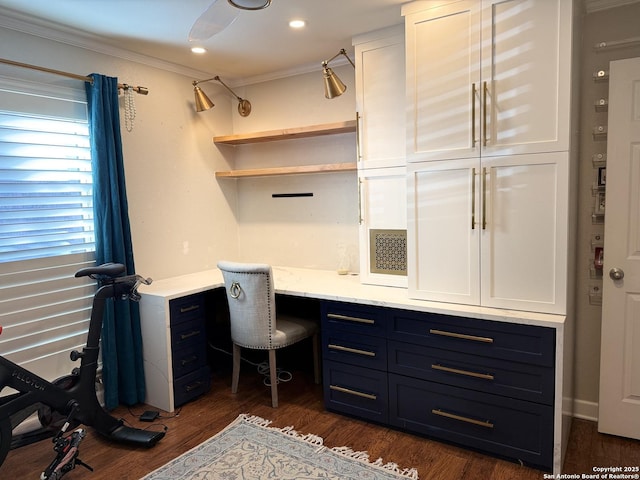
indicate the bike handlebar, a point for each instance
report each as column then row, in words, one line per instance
column 133, row 293
column 108, row 274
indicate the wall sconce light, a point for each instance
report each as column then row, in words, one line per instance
column 204, row 103
column 333, row 86
column 250, row 4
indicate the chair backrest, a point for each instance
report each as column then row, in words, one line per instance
column 252, row 311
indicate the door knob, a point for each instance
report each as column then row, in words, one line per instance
column 616, row 274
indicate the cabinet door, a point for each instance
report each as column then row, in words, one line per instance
column 488, row 78
column 526, row 59
column 443, row 232
column 443, row 78
column 380, row 97
column 524, row 254
column 383, row 224
column 491, row 234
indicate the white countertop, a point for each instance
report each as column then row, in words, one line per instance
column 328, row 285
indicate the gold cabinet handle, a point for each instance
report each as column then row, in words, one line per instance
column 480, row 423
column 187, row 361
column 484, row 198
column 337, row 316
column 360, row 219
column 368, row 396
column 485, row 90
column 342, row 348
column 461, row 336
column 473, row 199
column 186, row 336
column 193, row 386
column 473, row 115
column 358, row 151
column 190, row 308
column 468, row 373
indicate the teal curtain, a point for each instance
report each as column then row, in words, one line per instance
column 122, row 367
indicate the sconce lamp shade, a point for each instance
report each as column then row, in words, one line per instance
column 333, row 86
column 250, row 4
column 244, row 107
column 202, row 101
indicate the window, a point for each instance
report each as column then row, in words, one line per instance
column 46, row 206
column 46, row 224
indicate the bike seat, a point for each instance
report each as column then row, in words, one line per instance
column 105, row 270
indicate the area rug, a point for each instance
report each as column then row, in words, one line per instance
column 249, row 449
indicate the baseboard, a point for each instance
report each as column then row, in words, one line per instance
column 585, row 410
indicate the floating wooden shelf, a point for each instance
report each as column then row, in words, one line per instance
column 299, row 170
column 288, row 133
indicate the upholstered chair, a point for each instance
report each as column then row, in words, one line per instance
column 255, row 323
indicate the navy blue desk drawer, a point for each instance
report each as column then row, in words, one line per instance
column 503, row 426
column 186, row 308
column 359, row 319
column 187, row 333
column 355, row 391
column 189, row 358
column 191, row 386
column 510, row 341
column 534, row 383
column 354, row 349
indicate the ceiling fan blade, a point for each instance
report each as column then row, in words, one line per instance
column 213, row 20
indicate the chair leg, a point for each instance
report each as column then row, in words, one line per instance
column 273, row 376
column 316, row 358
column 235, row 376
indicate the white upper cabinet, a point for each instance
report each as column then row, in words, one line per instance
column 380, row 97
column 488, row 135
column 487, row 77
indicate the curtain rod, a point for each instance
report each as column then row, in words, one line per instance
column 140, row 90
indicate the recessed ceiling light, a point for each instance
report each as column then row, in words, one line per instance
column 198, row 50
column 297, row 23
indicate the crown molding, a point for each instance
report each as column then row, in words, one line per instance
column 12, row 20
column 598, row 5
column 300, row 70
column 56, row 32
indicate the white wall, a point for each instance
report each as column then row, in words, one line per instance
column 608, row 25
column 300, row 231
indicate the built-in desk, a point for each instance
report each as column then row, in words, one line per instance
column 330, row 287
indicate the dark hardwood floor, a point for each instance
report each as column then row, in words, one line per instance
column 301, row 406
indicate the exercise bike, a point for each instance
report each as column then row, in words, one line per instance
column 70, row 400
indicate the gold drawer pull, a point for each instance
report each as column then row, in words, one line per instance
column 480, row 423
column 187, row 361
column 368, row 396
column 485, row 376
column 461, row 335
column 193, row 386
column 189, row 308
column 351, row 350
column 336, row 316
column 193, row 333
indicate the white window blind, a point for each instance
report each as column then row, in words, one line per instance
column 46, row 224
column 46, row 206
